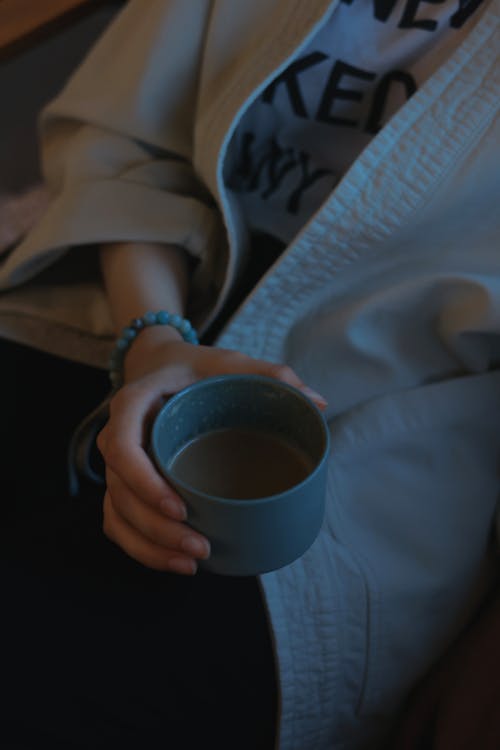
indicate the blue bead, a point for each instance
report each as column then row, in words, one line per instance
column 129, row 333
column 175, row 321
column 163, row 317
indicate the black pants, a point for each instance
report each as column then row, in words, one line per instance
column 97, row 651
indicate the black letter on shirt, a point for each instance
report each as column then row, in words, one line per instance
column 374, row 122
column 333, row 91
column 293, row 203
column 408, row 20
column 279, row 161
column 383, row 9
column 271, row 166
column 289, row 78
column 465, row 9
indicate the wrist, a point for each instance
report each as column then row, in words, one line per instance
column 149, row 351
column 143, row 339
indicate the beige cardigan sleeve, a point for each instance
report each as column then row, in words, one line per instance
column 117, row 143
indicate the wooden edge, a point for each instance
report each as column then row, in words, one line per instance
column 30, row 34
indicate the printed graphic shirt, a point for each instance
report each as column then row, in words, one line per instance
column 297, row 140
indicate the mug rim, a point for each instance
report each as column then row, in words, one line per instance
column 212, row 379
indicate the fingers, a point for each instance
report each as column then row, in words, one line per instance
column 121, row 445
column 244, row 364
column 146, row 535
column 142, row 514
column 140, row 549
column 316, row 398
column 152, row 525
column 287, row 375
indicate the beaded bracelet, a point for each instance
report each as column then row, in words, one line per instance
column 130, row 332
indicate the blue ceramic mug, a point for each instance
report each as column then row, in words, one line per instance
column 248, row 454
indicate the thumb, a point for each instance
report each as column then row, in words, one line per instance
column 289, row 376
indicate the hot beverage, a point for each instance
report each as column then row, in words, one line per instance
column 240, row 463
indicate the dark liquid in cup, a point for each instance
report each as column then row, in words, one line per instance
column 240, row 463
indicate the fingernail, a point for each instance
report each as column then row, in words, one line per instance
column 193, row 545
column 183, row 565
column 174, row 508
column 313, row 395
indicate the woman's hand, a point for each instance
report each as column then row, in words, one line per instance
column 142, row 514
